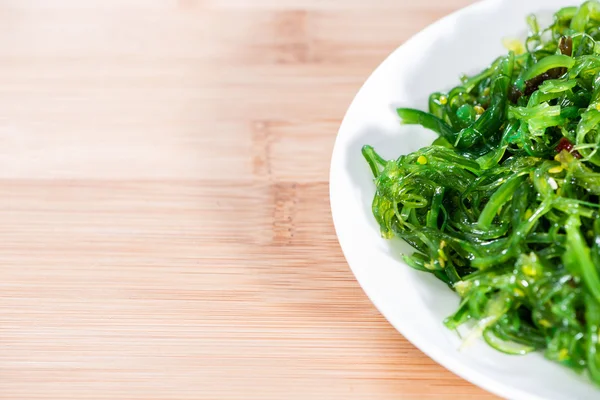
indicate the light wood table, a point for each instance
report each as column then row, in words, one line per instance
column 165, row 230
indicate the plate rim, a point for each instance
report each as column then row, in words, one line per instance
column 431, row 350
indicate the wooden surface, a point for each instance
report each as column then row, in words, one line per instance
column 165, row 230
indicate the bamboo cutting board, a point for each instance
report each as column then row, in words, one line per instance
column 165, row 230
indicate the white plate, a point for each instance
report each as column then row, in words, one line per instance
column 416, row 303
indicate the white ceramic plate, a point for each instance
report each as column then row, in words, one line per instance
column 416, row 303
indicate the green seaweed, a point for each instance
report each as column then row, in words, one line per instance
column 504, row 206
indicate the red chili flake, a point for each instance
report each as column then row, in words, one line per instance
column 565, row 144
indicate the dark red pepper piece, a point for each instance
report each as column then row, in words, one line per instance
column 565, row 144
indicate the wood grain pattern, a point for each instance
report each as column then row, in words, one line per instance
column 166, row 231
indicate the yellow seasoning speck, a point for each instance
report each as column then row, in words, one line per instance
column 563, row 354
column 555, row 170
column 422, row 160
column 598, row 106
column 528, row 214
column 479, row 110
column 443, row 100
column 486, row 91
column 530, row 271
column 512, row 44
column 545, row 323
column 519, row 293
column 462, row 287
column 442, row 254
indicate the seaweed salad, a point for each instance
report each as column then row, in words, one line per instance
column 504, row 206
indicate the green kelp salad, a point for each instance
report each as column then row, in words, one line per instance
column 504, row 206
